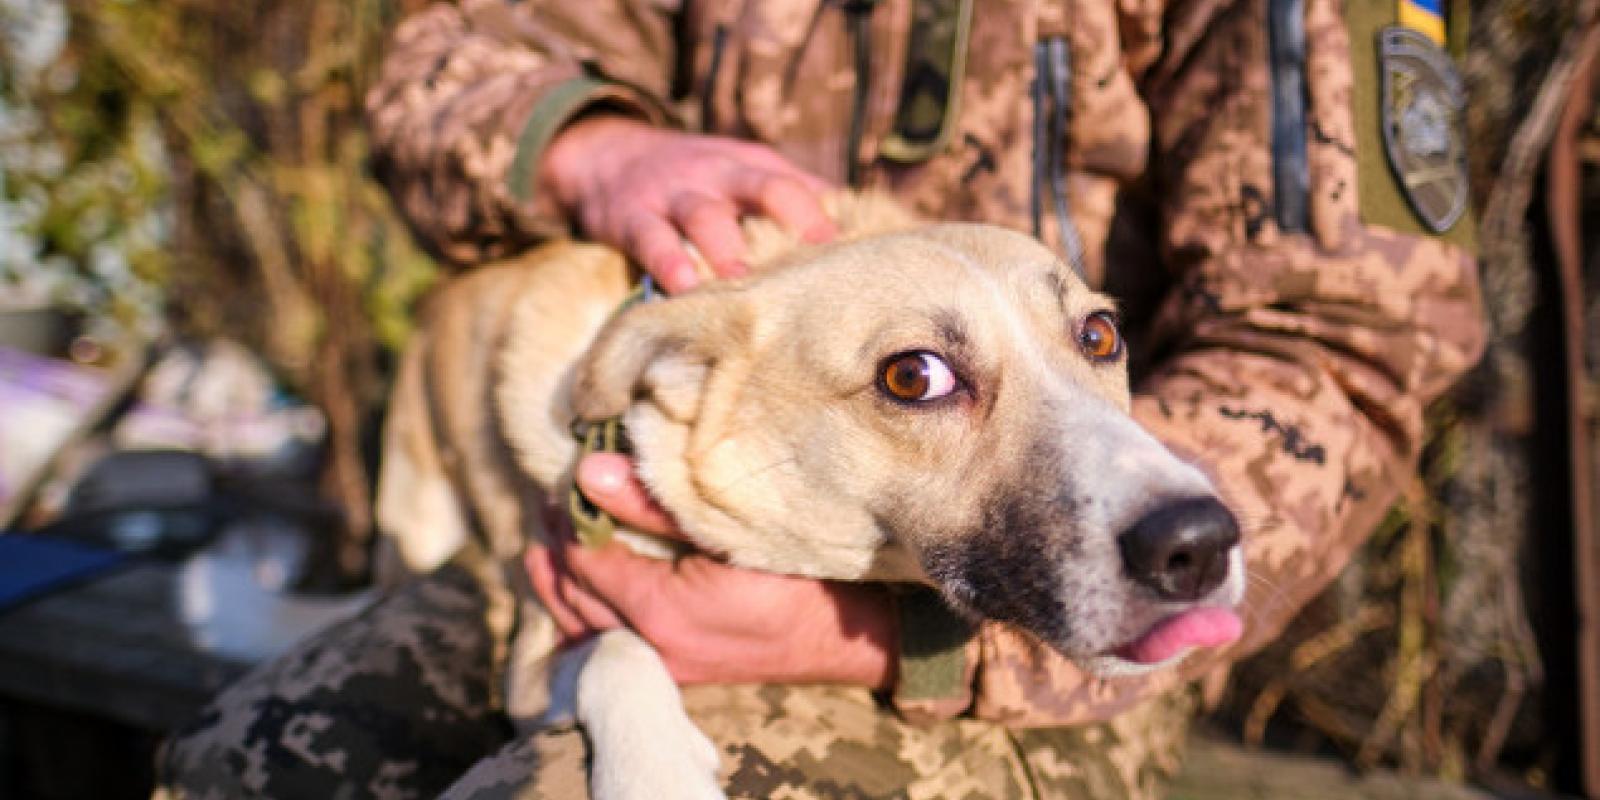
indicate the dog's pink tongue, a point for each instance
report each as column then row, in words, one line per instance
column 1199, row 627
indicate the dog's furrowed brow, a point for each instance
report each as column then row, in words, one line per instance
column 940, row 329
column 951, row 329
column 1058, row 288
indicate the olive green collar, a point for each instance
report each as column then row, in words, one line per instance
column 591, row 524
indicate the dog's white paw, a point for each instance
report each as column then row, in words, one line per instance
column 644, row 745
column 698, row 747
column 681, row 769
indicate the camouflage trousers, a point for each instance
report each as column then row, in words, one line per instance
column 403, row 701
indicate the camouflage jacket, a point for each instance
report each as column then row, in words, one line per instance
column 1291, row 337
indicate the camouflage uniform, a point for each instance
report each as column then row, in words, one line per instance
column 826, row 742
column 395, row 703
column 1291, row 357
column 402, row 702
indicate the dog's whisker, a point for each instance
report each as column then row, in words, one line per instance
column 1264, row 581
column 755, row 473
column 1276, row 597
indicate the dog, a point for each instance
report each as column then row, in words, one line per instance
column 945, row 404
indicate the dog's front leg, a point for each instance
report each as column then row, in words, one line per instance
column 643, row 744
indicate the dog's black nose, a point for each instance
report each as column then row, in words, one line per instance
column 1180, row 548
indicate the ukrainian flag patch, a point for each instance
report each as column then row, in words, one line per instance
column 1425, row 17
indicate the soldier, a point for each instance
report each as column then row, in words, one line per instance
column 1274, row 188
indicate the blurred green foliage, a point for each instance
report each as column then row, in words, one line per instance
column 83, row 181
column 209, row 152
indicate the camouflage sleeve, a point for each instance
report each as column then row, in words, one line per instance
column 1294, row 365
column 470, row 93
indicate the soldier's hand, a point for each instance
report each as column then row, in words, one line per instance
column 644, row 190
column 711, row 623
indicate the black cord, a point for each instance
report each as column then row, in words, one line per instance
column 1060, row 65
column 860, row 13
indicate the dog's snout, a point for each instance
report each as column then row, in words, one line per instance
column 1180, row 549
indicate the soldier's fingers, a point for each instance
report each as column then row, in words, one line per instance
column 656, row 245
column 764, row 156
column 545, row 577
column 592, row 610
column 786, row 199
column 628, row 582
column 609, row 481
column 577, row 611
column 712, row 224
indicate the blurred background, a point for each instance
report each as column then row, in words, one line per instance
column 202, row 294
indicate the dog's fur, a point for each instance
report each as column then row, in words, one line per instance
column 758, row 421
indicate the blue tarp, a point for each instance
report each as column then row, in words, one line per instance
column 33, row 565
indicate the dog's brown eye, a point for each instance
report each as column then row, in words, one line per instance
column 913, row 377
column 1099, row 337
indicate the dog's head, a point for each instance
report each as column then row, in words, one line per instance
column 948, row 404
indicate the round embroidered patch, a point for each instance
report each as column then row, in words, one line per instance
column 1422, row 103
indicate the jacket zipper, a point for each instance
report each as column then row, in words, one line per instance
column 1290, row 172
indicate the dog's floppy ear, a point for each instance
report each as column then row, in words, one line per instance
column 665, row 348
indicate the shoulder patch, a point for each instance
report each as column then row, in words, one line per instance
column 1421, row 110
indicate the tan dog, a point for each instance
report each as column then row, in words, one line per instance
column 945, row 404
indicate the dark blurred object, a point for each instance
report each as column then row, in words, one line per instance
column 155, row 478
column 148, row 502
column 107, row 761
column 169, row 503
column 41, row 331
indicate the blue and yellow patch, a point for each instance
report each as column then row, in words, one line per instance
column 1408, row 102
column 1425, row 17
